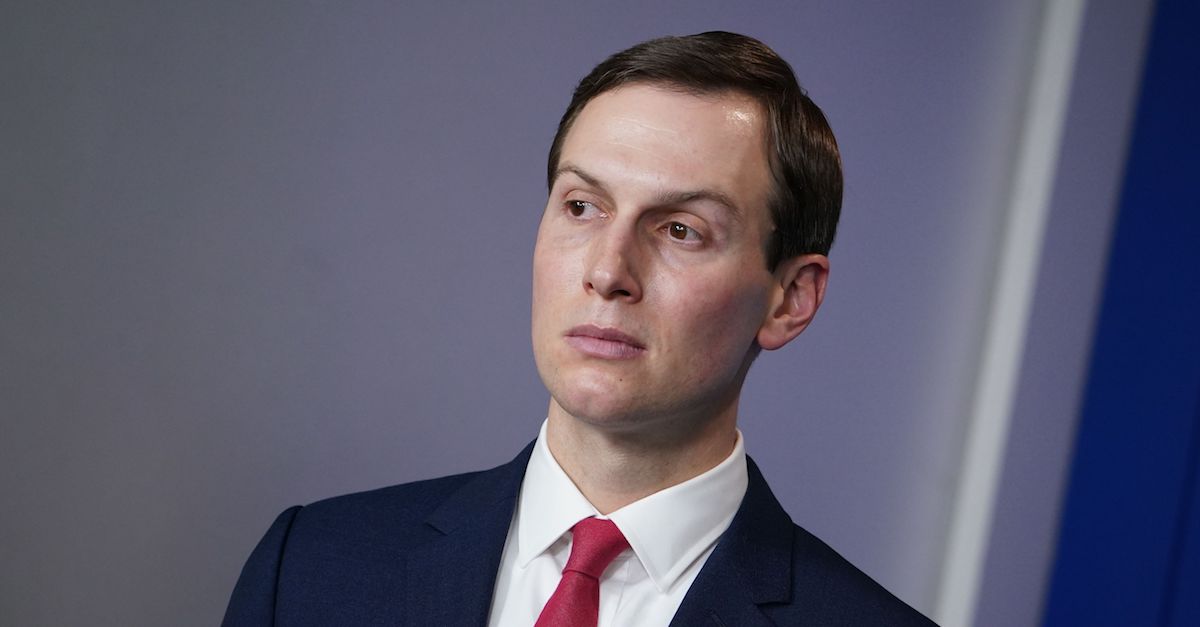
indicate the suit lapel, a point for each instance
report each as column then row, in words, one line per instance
column 451, row 578
column 750, row 566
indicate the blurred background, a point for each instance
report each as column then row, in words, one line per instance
column 255, row 254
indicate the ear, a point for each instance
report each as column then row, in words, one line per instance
column 798, row 289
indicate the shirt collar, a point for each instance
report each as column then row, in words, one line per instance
column 667, row 530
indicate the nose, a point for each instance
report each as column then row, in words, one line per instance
column 612, row 266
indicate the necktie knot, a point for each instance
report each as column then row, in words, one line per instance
column 576, row 602
column 595, row 544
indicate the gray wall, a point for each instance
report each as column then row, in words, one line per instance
column 255, row 254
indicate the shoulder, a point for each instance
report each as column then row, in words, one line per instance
column 803, row 579
column 393, row 519
column 341, row 560
column 826, row 584
column 408, row 514
column 402, row 502
column 311, row 552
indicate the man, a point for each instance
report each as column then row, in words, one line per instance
column 694, row 193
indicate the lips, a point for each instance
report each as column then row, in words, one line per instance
column 604, row 343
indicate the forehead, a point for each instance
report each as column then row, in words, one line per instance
column 669, row 140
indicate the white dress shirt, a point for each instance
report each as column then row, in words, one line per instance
column 671, row 533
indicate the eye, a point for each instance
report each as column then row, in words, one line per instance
column 580, row 208
column 682, row 232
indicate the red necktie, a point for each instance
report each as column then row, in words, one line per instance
column 576, row 601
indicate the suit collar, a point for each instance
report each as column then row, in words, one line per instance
column 481, row 497
column 750, row 567
column 462, row 561
column 667, row 530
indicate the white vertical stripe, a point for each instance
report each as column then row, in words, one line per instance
column 1008, row 317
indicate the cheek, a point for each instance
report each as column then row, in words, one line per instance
column 718, row 318
column 554, row 274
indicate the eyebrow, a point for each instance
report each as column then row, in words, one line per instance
column 664, row 198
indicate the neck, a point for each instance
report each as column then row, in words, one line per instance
column 615, row 467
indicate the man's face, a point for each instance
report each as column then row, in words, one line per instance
column 649, row 275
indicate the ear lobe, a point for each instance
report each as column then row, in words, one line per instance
column 798, row 291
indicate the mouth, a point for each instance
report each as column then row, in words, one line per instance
column 603, row 343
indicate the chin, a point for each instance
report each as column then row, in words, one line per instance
column 616, row 413
column 599, row 404
column 591, row 406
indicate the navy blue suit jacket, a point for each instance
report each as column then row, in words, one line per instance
column 427, row 553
